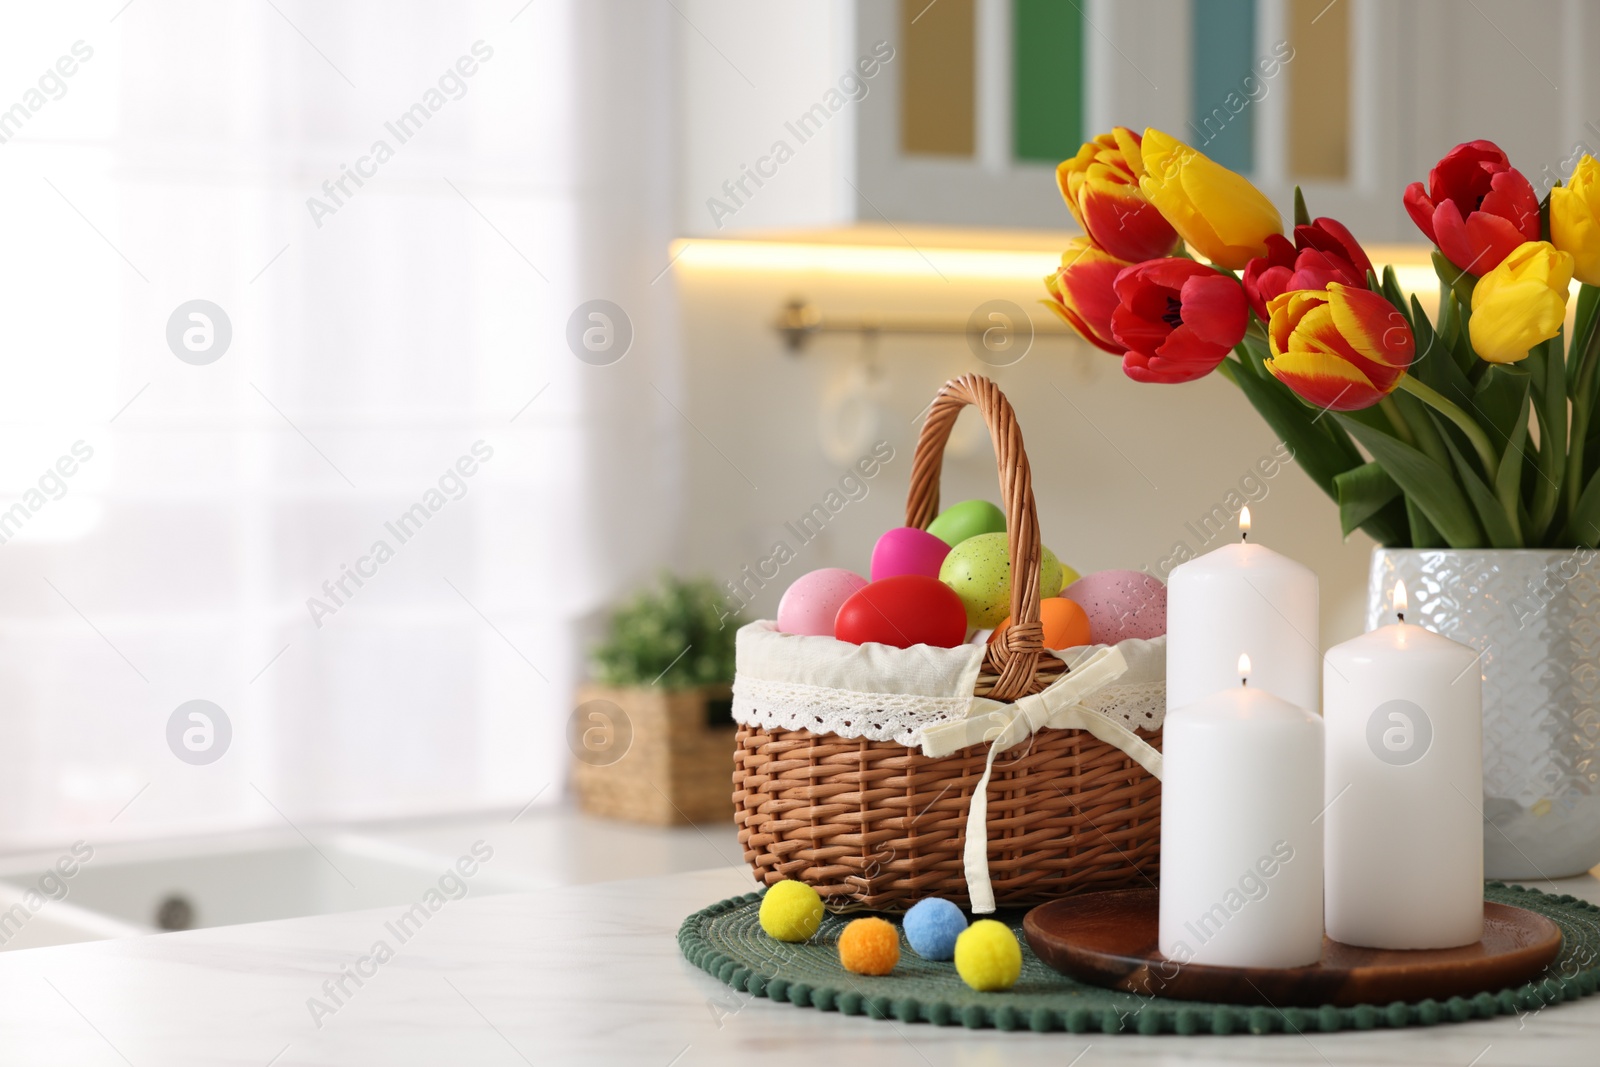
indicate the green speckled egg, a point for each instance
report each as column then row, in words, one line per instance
column 967, row 519
column 979, row 570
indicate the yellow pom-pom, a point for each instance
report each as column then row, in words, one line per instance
column 791, row 911
column 869, row 946
column 988, row 957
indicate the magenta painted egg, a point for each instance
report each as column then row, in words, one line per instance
column 812, row 600
column 907, row 550
column 1120, row 605
column 906, row 610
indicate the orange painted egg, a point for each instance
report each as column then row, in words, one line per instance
column 1066, row 625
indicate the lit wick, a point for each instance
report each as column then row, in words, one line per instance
column 1400, row 600
column 1244, row 669
column 1244, row 524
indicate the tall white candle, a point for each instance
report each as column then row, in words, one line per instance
column 1404, row 782
column 1243, row 598
column 1241, row 850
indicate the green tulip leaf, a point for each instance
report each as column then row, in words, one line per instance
column 1583, row 527
column 1363, row 492
column 1433, row 363
column 1582, row 328
column 1302, row 217
column 1502, row 534
column 1389, row 286
column 1498, row 400
column 1423, row 534
column 1321, row 449
column 1426, row 483
column 1508, row 484
column 1549, row 371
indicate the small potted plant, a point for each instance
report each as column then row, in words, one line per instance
column 652, row 734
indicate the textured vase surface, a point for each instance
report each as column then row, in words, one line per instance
column 1534, row 615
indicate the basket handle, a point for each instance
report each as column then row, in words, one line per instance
column 1016, row 656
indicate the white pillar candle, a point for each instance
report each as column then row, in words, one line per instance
column 1243, row 598
column 1404, row 836
column 1241, row 850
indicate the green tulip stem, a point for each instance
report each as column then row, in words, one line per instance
column 1397, row 420
column 1463, row 421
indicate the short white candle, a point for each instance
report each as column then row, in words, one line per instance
column 1404, row 837
column 1241, row 850
column 1243, row 598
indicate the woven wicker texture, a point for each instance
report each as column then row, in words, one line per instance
column 725, row 941
column 875, row 824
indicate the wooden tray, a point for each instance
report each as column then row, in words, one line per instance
column 1109, row 939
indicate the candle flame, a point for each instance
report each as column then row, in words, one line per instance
column 1400, row 603
column 1244, row 666
column 1244, row 523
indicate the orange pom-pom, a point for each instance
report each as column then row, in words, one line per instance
column 869, row 946
column 1066, row 624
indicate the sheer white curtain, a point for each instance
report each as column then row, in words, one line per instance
column 398, row 348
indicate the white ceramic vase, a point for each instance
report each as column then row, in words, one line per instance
column 1534, row 615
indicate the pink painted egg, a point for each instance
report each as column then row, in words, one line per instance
column 812, row 601
column 905, row 610
column 1121, row 604
column 907, row 550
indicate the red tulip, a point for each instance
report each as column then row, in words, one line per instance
column 1322, row 252
column 1177, row 318
column 1477, row 207
column 1081, row 293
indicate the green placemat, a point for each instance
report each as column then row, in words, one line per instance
column 726, row 941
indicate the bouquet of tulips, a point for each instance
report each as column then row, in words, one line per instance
column 1476, row 430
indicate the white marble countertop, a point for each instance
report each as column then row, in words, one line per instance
column 585, row 974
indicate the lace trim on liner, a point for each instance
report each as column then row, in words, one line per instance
column 902, row 718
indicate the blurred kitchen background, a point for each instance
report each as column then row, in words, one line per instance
column 564, row 270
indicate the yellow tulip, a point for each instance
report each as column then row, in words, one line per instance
column 1220, row 214
column 1520, row 303
column 1575, row 219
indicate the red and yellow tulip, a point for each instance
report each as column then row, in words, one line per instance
column 1521, row 303
column 1177, row 319
column 1220, row 214
column 1102, row 192
column 1575, row 219
column 1081, row 292
column 1341, row 349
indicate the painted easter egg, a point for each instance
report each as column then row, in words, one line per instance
column 1121, row 604
column 812, row 600
column 907, row 550
column 979, row 570
column 967, row 519
column 1066, row 625
column 906, row 610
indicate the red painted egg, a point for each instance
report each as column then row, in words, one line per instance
column 906, row 610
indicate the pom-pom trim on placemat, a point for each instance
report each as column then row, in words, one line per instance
column 725, row 941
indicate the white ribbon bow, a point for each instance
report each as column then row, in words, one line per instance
column 1006, row 725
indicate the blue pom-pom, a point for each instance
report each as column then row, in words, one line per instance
column 932, row 926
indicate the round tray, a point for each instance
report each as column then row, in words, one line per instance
column 1109, row 939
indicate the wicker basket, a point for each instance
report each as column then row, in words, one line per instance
column 877, row 825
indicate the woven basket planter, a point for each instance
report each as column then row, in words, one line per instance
column 877, row 825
